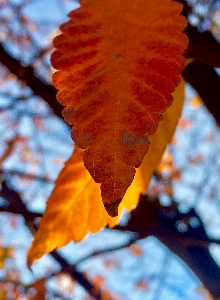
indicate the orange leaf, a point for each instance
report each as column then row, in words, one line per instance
column 118, row 61
column 75, row 206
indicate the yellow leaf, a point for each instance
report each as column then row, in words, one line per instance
column 75, row 206
column 69, row 209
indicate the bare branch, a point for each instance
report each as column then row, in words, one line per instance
column 27, row 175
column 79, row 277
column 204, row 79
column 154, row 219
column 112, row 249
column 202, row 45
column 17, row 206
column 27, row 75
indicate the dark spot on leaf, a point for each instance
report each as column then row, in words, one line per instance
column 126, row 138
column 87, row 136
column 113, row 57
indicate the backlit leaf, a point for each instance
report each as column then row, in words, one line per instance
column 75, row 206
column 118, row 61
column 151, row 161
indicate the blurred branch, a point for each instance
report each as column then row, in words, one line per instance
column 202, row 45
column 107, row 250
column 26, row 175
column 155, row 230
column 79, row 277
column 27, row 75
column 17, row 206
column 200, row 74
column 205, row 80
column 151, row 218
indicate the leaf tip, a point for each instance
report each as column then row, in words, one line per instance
column 112, row 208
column 33, row 254
column 30, row 259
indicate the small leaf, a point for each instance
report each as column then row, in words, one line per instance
column 75, row 206
column 5, row 252
column 118, row 61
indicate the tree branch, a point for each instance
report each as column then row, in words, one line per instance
column 79, row 277
column 151, row 218
column 26, row 175
column 202, row 45
column 162, row 222
column 17, row 206
column 27, row 75
column 204, row 79
column 112, row 249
